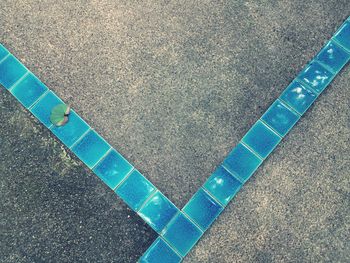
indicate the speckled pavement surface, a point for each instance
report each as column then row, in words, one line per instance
column 52, row 208
column 174, row 86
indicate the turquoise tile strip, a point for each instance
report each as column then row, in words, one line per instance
column 180, row 230
column 204, row 207
column 107, row 163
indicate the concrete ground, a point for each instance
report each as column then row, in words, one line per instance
column 53, row 209
column 174, row 85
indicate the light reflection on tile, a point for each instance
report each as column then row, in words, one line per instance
column 316, row 76
column 298, row 97
column 222, row 185
column 158, row 211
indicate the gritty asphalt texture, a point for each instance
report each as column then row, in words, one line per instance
column 174, row 85
column 52, row 208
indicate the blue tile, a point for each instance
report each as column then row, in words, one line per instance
column 113, row 169
column 333, row 56
column 242, row 162
column 28, row 90
column 261, row 139
column 342, row 35
column 182, row 234
column 3, row 52
column 159, row 252
column 11, row 70
column 42, row 109
column 158, row 211
column 202, row 209
column 222, row 185
column 316, row 76
column 72, row 130
column 280, row 117
column 91, row 148
column 135, row 190
column 298, row 97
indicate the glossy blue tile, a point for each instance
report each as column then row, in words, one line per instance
column 91, row 148
column 135, row 190
column 158, row 211
column 160, row 252
column 202, row 209
column 42, row 109
column 222, row 185
column 298, row 97
column 333, row 56
column 3, row 52
column 261, row 139
column 28, row 90
column 182, row 234
column 280, row 117
column 72, row 130
column 242, row 162
column 11, row 70
column 316, row 76
column 113, row 169
column 343, row 35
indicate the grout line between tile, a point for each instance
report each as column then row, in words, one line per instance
column 306, row 85
column 38, row 99
column 252, row 151
column 335, row 41
column 288, row 107
column 271, row 129
column 4, row 58
column 80, row 138
column 161, row 233
column 102, row 157
column 122, row 181
column 215, row 199
column 193, row 222
column 147, row 199
column 171, row 246
column 326, row 67
column 18, row 81
column 233, row 174
column 267, row 125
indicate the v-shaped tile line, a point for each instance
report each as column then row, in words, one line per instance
column 180, row 230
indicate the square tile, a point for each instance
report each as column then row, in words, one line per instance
column 342, row 35
column 222, row 185
column 112, row 169
column 135, row 190
column 182, row 234
column 202, row 209
column 316, row 76
column 333, row 56
column 159, row 252
column 3, row 52
column 298, row 97
column 42, row 109
column 280, row 117
column 72, row 130
column 261, row 139
column 158, row 211
column 242, row 162
column 28, row 90
column 11, row 70
column 91, row 148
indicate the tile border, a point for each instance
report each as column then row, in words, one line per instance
column 295, row 103
column 41, row 108
column 292, row 106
